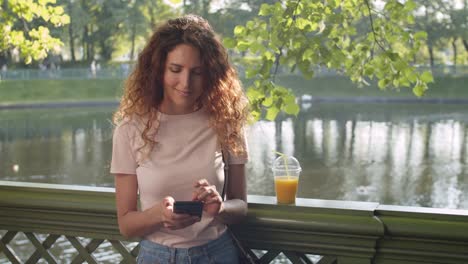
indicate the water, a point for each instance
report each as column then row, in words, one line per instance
column 395, row 154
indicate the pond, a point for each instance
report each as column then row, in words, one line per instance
column 398, row 154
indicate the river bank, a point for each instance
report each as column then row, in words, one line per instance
column 38, row 92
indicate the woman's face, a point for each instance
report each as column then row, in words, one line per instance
column 183, row 80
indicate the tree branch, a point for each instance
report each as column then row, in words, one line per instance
column 25, row 25
column 376, row 41
column 278, row 55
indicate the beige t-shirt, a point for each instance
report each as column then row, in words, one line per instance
column 187, row 150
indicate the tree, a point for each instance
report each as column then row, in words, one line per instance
column 199, row 7
column 24, row 26
column 143, row 17
column 436, row 28
column 306, row 34
column 111, row 16
column 79, row 18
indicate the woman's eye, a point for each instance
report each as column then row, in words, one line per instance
column 198, row 72
column 175, row 70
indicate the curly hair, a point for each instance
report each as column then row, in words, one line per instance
column 223, row 96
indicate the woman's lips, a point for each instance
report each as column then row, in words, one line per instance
column 183, row 93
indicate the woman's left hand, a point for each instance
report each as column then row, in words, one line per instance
column 208, row 194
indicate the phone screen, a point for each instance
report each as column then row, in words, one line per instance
column 194, row 208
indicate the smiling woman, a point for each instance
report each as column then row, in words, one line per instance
column 183, row 108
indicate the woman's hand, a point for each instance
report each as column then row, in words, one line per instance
column 172, row 220
column 207, row 193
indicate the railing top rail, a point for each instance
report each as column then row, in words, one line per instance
column 318, row 203
column 422, row 211
column 348, row 207
column 53, row 186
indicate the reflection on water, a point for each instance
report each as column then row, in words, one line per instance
column 66, row 147
column 388, row 153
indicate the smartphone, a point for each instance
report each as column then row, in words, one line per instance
column 194, row 208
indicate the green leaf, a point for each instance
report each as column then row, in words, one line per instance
column 420, row 35
column 369, row 70
column 308, row 54
column 250, row 73
column 291, row 108
column 427, row 77
column 28, row 59
column 411, row 75
column 239, row 30
column 383, row 83
column 419, row 89
column 268, row 56
column 410, row 5
column 255, row 115
column 302, row 23
column 230, row 43
column 268, row 101
column 265, row 10
column 254, row 94
column 243, row 45
column 257, row 46
column 272, row 112
column 392, row 55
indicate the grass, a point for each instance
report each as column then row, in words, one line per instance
column 59, row 90
column 88, row 90
column 336, row 86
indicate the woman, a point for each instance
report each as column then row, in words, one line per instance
column 182, row 108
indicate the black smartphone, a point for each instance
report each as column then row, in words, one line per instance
column 194, row 208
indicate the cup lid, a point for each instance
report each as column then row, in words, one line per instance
column 286, row 163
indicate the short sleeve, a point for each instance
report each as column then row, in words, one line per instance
column 240, row 159
column 123, row 156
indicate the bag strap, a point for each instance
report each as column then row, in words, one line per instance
column 226, row 172
column 246, row 257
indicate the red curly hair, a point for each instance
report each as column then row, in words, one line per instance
column 223, row 96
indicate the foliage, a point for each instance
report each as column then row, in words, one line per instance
column 105, row 30
column 308, row 34
column 24, row 25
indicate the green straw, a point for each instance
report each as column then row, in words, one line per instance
column 284, row 161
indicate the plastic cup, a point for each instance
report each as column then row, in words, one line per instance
column 286, row 171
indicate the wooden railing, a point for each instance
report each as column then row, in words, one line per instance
column 340, row 232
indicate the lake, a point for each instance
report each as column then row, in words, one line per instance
column 398, row 154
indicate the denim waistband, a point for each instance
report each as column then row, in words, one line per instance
column 214, row 245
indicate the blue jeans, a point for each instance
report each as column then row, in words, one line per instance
column 220, row 250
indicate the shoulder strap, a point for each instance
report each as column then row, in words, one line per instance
column 226, row 173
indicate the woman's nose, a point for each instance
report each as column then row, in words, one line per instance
column 184, row 80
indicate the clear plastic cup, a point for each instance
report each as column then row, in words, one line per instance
column 286, row 171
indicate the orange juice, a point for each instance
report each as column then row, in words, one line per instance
column 286, row 189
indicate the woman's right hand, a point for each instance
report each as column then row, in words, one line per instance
column 172, row 220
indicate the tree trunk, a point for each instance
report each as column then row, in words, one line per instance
column 431, row 55
column 72, row 42
column 454, row 47
column 152, row 19
column 133, row 36
column 206, row 6
column 71, row 35
column 90, row 44
column 85, row 43
column 465, row 43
